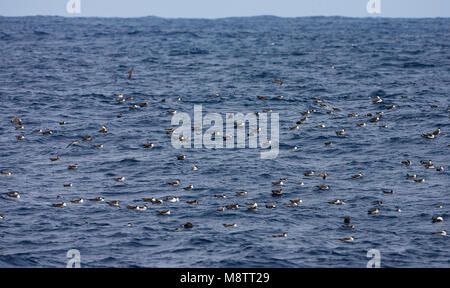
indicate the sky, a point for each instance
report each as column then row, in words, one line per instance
column 227, row 8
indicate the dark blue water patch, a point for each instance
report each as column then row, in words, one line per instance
column 70, row 68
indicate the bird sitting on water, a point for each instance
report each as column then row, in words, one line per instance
column 347, row 239
column 139, row 208
column 163, row 212
column 77, row 201
column 103, row 130
column 437, row 219
column 359, row 175
column 340, row 132
column 13, row 194
column 278, row 81
column 59, row 205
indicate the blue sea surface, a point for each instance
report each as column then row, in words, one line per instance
column 55, row 69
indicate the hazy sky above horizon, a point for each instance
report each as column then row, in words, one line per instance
column 226, row 8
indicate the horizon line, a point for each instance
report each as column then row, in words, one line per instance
column 226, row 17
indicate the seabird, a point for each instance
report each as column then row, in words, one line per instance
column 440, row 169
column 87, row 138
column 181, row 157
column 56, row 158
column 373, row 211
column 67, row 185
column 153, row 200
column 20, row 137
column 278, row 81
column 139, row 208
column 297, row 201
column 59, row 205
column 98, row 146
column 113, row 203
column 388, row 191
column 232, row 207
column 13, row 194
column 277, row 192
column 241, row 193
column 347, row 220
column 309, row 173
column 16, row 120
column 347, row 239
column 375, row 119
column 378, row 100
column 73, row 143
column 429, row 136
column 443, row 232
column 323, row 187
column 406, row 162
column 411, row 175
column 340, row 132
column 148, row 145
column 6, row 173
column 419, row 180
column 73, row 167
column 271, row 206
column 163, row 212
column 324, row 175
column 437, row 219
column 193, row 202
column 437, row 132
column 348, row 226
column 359, row 175
column 290, row 204
column 230, row 225
column 172, row 199
column 103, row 130
column 130, row 73
column 189, row 187
column 77, row 201
column 337, row 202
column 251, row 204
column 98, row 199
column 278, row 183
column 119, row 179
column 187, row 225
column 175, row 183
column 220, row 196
column 284, row 235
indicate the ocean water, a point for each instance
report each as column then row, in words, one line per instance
column 56, row 69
